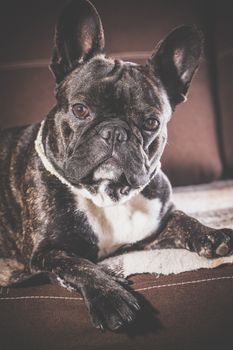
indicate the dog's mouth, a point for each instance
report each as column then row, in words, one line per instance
column 110, row 179
column 111, row 173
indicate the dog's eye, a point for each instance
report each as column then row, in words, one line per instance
column 151, row 124
column 80, row 111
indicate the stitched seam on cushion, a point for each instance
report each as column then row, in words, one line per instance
column 137, row 290
column 140, row 284
column 185, row 283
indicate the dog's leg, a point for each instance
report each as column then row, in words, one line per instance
column 109, row 303
column 183, row 231
column 11, row 268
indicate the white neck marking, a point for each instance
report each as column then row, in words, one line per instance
column 47, row 164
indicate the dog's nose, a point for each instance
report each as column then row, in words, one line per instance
column 114, row 133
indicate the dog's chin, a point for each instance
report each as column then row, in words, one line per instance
column 109, row 188
column 107, row 185
column 108, row 192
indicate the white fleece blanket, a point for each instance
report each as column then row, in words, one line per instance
column 211, row 204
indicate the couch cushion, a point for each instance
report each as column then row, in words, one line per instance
column 26, row 95
column 193, row 311
column 132, row 30
column 224, row 29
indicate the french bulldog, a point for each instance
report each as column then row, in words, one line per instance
column 86, row 182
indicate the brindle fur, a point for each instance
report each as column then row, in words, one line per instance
column 41, row 228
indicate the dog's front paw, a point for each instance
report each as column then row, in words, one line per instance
column 109, row 304
column 214, row 244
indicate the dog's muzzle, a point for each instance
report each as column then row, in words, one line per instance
column 114, row 132
column 111, row 152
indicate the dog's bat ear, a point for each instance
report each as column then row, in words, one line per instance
column 176, row 59
column 79, row 36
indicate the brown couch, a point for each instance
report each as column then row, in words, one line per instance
column 194, row 309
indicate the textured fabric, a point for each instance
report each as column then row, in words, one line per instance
column 212, row 204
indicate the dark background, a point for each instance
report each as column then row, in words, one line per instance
column 200, row 147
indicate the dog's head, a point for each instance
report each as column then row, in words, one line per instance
column 109, row 128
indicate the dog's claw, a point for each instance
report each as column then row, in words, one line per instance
column 223, row 249
column 123, row 280
column 119, row 278
column 215, row 244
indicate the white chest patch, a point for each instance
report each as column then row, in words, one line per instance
column 122, row 224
